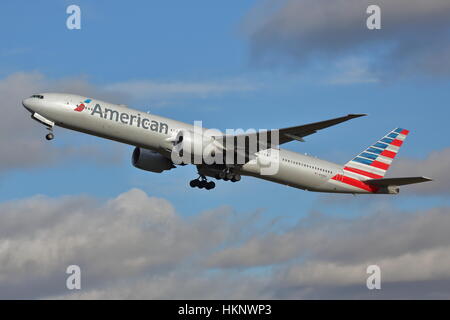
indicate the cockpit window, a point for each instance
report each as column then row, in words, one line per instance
column 37, row 96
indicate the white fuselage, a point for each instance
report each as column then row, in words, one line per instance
column 149, row 131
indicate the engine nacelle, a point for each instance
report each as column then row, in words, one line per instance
column 150, row 160
column 195, row 148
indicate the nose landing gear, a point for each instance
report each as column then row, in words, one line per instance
column 201, row 183
column 49, row 136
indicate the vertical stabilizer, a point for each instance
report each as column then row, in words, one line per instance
column 374, row 162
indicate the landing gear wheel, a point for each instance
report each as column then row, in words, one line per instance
column 236, row 178
column 49, row 136
column 222, row 175
column 230, row 175
column 210, row 185
column 194, row 183
column 202, row 183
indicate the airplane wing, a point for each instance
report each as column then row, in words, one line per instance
column 396, row 181
column 263, row 138
column 298, row 132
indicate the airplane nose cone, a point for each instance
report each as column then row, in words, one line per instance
column 26, row 104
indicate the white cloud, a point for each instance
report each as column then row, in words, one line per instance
column 352, row 71
column 123, row 238
column 147, row 89
column 136, row 246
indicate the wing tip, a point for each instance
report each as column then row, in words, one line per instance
column 356, row 115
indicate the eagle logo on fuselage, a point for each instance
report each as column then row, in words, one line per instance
column 80, row 107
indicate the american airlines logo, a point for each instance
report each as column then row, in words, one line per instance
column 81, row 106
column 127, row 118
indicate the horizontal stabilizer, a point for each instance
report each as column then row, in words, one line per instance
column 396, row 181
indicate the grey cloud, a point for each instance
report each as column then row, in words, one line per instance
column 410, row 248
column 413, row 39
column 136, row 246
column 181, row 284
column 342, row 241
column 22, row 139
column 122, row 238
column 436, row 166
column 156, row 90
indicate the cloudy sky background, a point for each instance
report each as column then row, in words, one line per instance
column 256, row 64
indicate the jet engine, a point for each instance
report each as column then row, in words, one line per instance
column 150, row 160
column 196, row 148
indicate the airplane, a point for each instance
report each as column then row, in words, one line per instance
column 156, row 139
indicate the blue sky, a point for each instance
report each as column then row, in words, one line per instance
column 152, row 40
column 205, row 42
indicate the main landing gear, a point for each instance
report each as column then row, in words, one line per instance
column 228, row 175
column 201, row 183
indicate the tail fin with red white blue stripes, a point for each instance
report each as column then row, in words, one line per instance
column 374, row 162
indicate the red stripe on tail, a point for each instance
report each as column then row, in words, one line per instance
column 388, row 154
column 364, row 173
column 381, row 165
column 405, row 132
column 355, row 183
